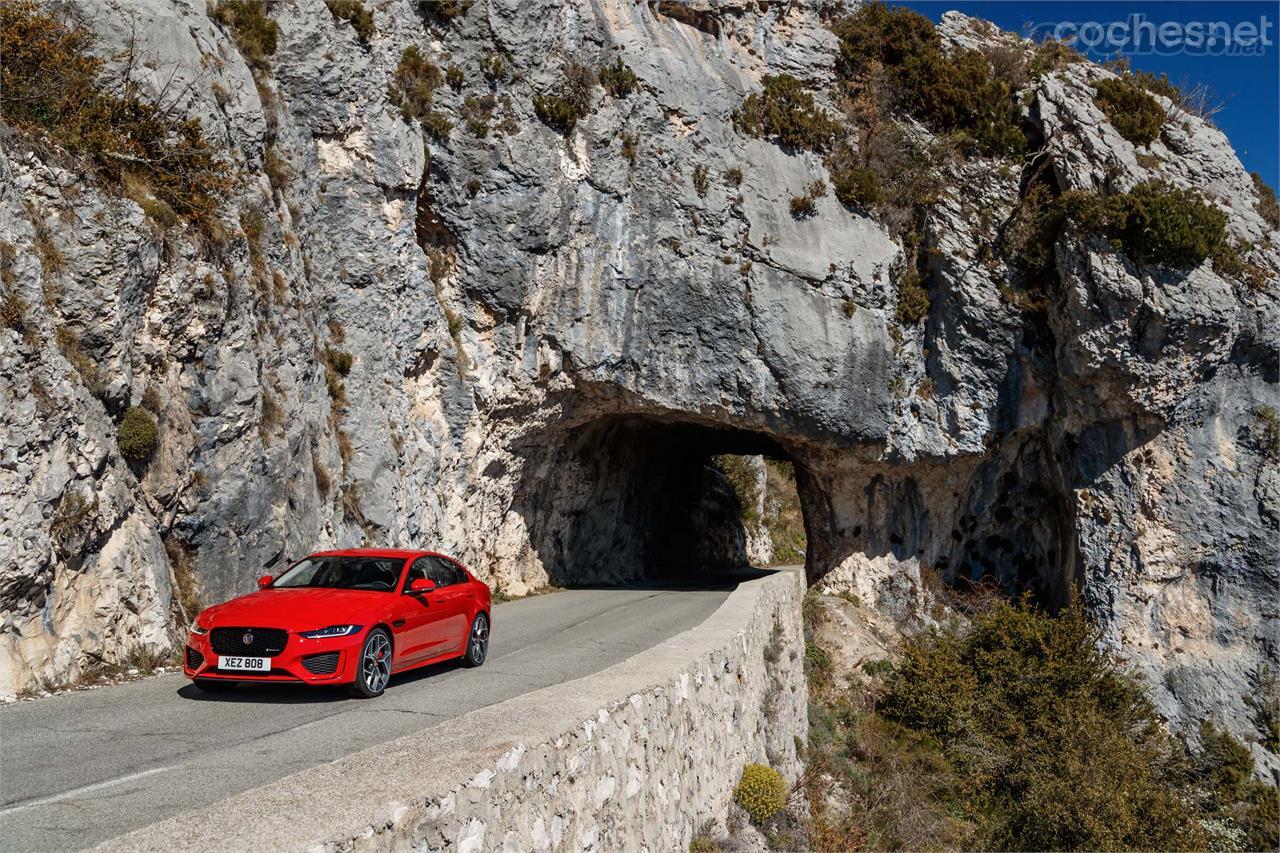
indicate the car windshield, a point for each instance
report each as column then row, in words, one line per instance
column 376, row 573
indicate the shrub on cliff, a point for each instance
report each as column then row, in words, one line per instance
column 961, row 92
column 857, row 186
column 137, row 434
column 354, row 13
column 1057, row 745
column 556, row 112
column 51, row 83
column 762, row 792
column 1155, row 223
column 785, row 112
column 913, row 300
column 254, row 31
column 617, row 79
column 444, row 11
column 413, row 85
column 1267, row 206
column 1136, row 115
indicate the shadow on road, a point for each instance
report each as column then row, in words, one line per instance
column 306, row 694
column 718, row 581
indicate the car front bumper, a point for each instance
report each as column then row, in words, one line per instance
column 303, row 661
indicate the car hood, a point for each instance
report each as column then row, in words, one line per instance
column 298, row 609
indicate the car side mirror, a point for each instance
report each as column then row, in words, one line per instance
column 421, row 586
column 265, row 581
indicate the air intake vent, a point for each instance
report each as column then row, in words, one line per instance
column 323, row 664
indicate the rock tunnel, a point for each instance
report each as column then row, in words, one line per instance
column 627, row 497
column 634, row 496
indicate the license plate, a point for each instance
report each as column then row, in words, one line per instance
column 244, row 664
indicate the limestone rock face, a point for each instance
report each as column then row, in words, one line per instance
column 549, row 335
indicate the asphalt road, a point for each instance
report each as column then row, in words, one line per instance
column 80, row 768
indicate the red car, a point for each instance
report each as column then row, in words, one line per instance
column 343, row 617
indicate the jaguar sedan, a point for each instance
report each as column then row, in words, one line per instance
column 349, row 618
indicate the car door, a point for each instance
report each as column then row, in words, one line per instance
column 454, row 599
column 420, row 632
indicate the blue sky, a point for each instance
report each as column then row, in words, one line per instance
column 1247, row 85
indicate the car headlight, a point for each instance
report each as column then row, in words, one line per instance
column 198, row 630
column 331, row 631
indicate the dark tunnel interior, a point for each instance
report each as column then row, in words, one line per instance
column 627, row 497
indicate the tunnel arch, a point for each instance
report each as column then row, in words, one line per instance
column 631, row 496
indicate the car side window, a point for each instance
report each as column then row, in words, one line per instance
column 422, row 569
column 450, row 574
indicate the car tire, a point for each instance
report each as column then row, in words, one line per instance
column 373, row 667
column 477, row 641
column 208, row 685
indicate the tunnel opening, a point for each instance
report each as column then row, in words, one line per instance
column 640, row 497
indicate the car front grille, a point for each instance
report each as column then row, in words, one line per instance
column 262, row 642
column 322, row 664
column 194, row 658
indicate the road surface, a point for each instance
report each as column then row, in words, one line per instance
column 80, row 768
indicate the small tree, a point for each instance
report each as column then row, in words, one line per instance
column 137, row 435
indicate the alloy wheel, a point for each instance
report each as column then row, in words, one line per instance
column 479, row 641
column 376, row 662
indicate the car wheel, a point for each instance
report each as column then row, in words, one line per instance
column 373, row 670
column 208, row 685
column 477, row 641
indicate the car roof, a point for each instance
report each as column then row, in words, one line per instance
column 391, row 553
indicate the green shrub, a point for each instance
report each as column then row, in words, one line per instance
column 556, row 112
column 494, row 68
column 618, row 80
column 137, row 434
column 436, row 124
column 895, row 38
column 913, row 299
column 1028, row 241
column 816, row 660
column 1267, row 207
column 960, row 92
column 742, row 477
column 700, row 181
column 1050, row 56
column 1058, row 747
column 762, row 792
column 786, row 523
column 477, row 113
column 49, row 82
column 1136, row 115
column 413, row 85
column 254, row 31
column 857, row 186
column 1268, row 431
column 879, row 667
column 454, row 77
column 785, row 112
column 1155, row 223
column 354, row 13
column 444, row 11
column 1161, row 84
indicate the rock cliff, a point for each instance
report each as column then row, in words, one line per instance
column 519, row 339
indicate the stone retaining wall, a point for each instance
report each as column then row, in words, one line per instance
column 634, row 757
